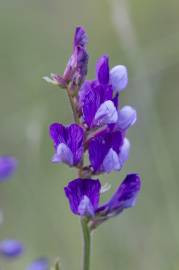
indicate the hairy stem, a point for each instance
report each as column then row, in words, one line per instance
column 71, row 99
column 86, row 244
column 84, row 221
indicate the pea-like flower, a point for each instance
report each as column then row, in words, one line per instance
column 8, row 166
column 39, row 264
column 117, row 77
column 96, row 97
column 76, row 69
column 11, row 248
column 84, row 196
column 68, row 143
column 100, row 130
column 109, row 149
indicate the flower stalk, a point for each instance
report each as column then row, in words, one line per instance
column 86, row 244
column 72, row 103
column 99, row 132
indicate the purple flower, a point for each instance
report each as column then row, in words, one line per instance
column 76, row 69
column 11, row 248
column 124, row 197
column 98, row 99
column 68, row 143
column 117, row 77
column 108, row 151
column 39, row 264
column 97, row 106
column 8, row 166
column 84, row 194
column 81, row 58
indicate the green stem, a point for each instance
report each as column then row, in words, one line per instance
column 75, row 115
column 86, row 244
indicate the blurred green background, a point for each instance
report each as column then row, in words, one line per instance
column 36, row 39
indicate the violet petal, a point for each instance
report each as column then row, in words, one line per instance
column 39, row 264
column 102, row 69
column 77, row 189
column 124, row 197
column 92, row 95
column 72, row 136
column 8, row 166
column 75, row 141
column 11, row 248
column 80, row 37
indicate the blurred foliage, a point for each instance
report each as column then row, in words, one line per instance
column 36, row 39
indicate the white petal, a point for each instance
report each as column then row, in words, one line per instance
column 85, row 207
column 124, row 152
column 106, row 114
column 119, row 78
column 63, row 154
column 127, row 117
column 111, row 162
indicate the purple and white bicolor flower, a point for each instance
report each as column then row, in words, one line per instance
column 108, row 151
column 39, row 264
column 68, row 143
column 96, row 97
column 76, row 69
column 84, row 196
column 8, row 166
column 124, row 197
column 11, row 248
column 117, row 77
column 97, row 106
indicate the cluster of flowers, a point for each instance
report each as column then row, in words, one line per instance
column 99, row 131
column 11, row 248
